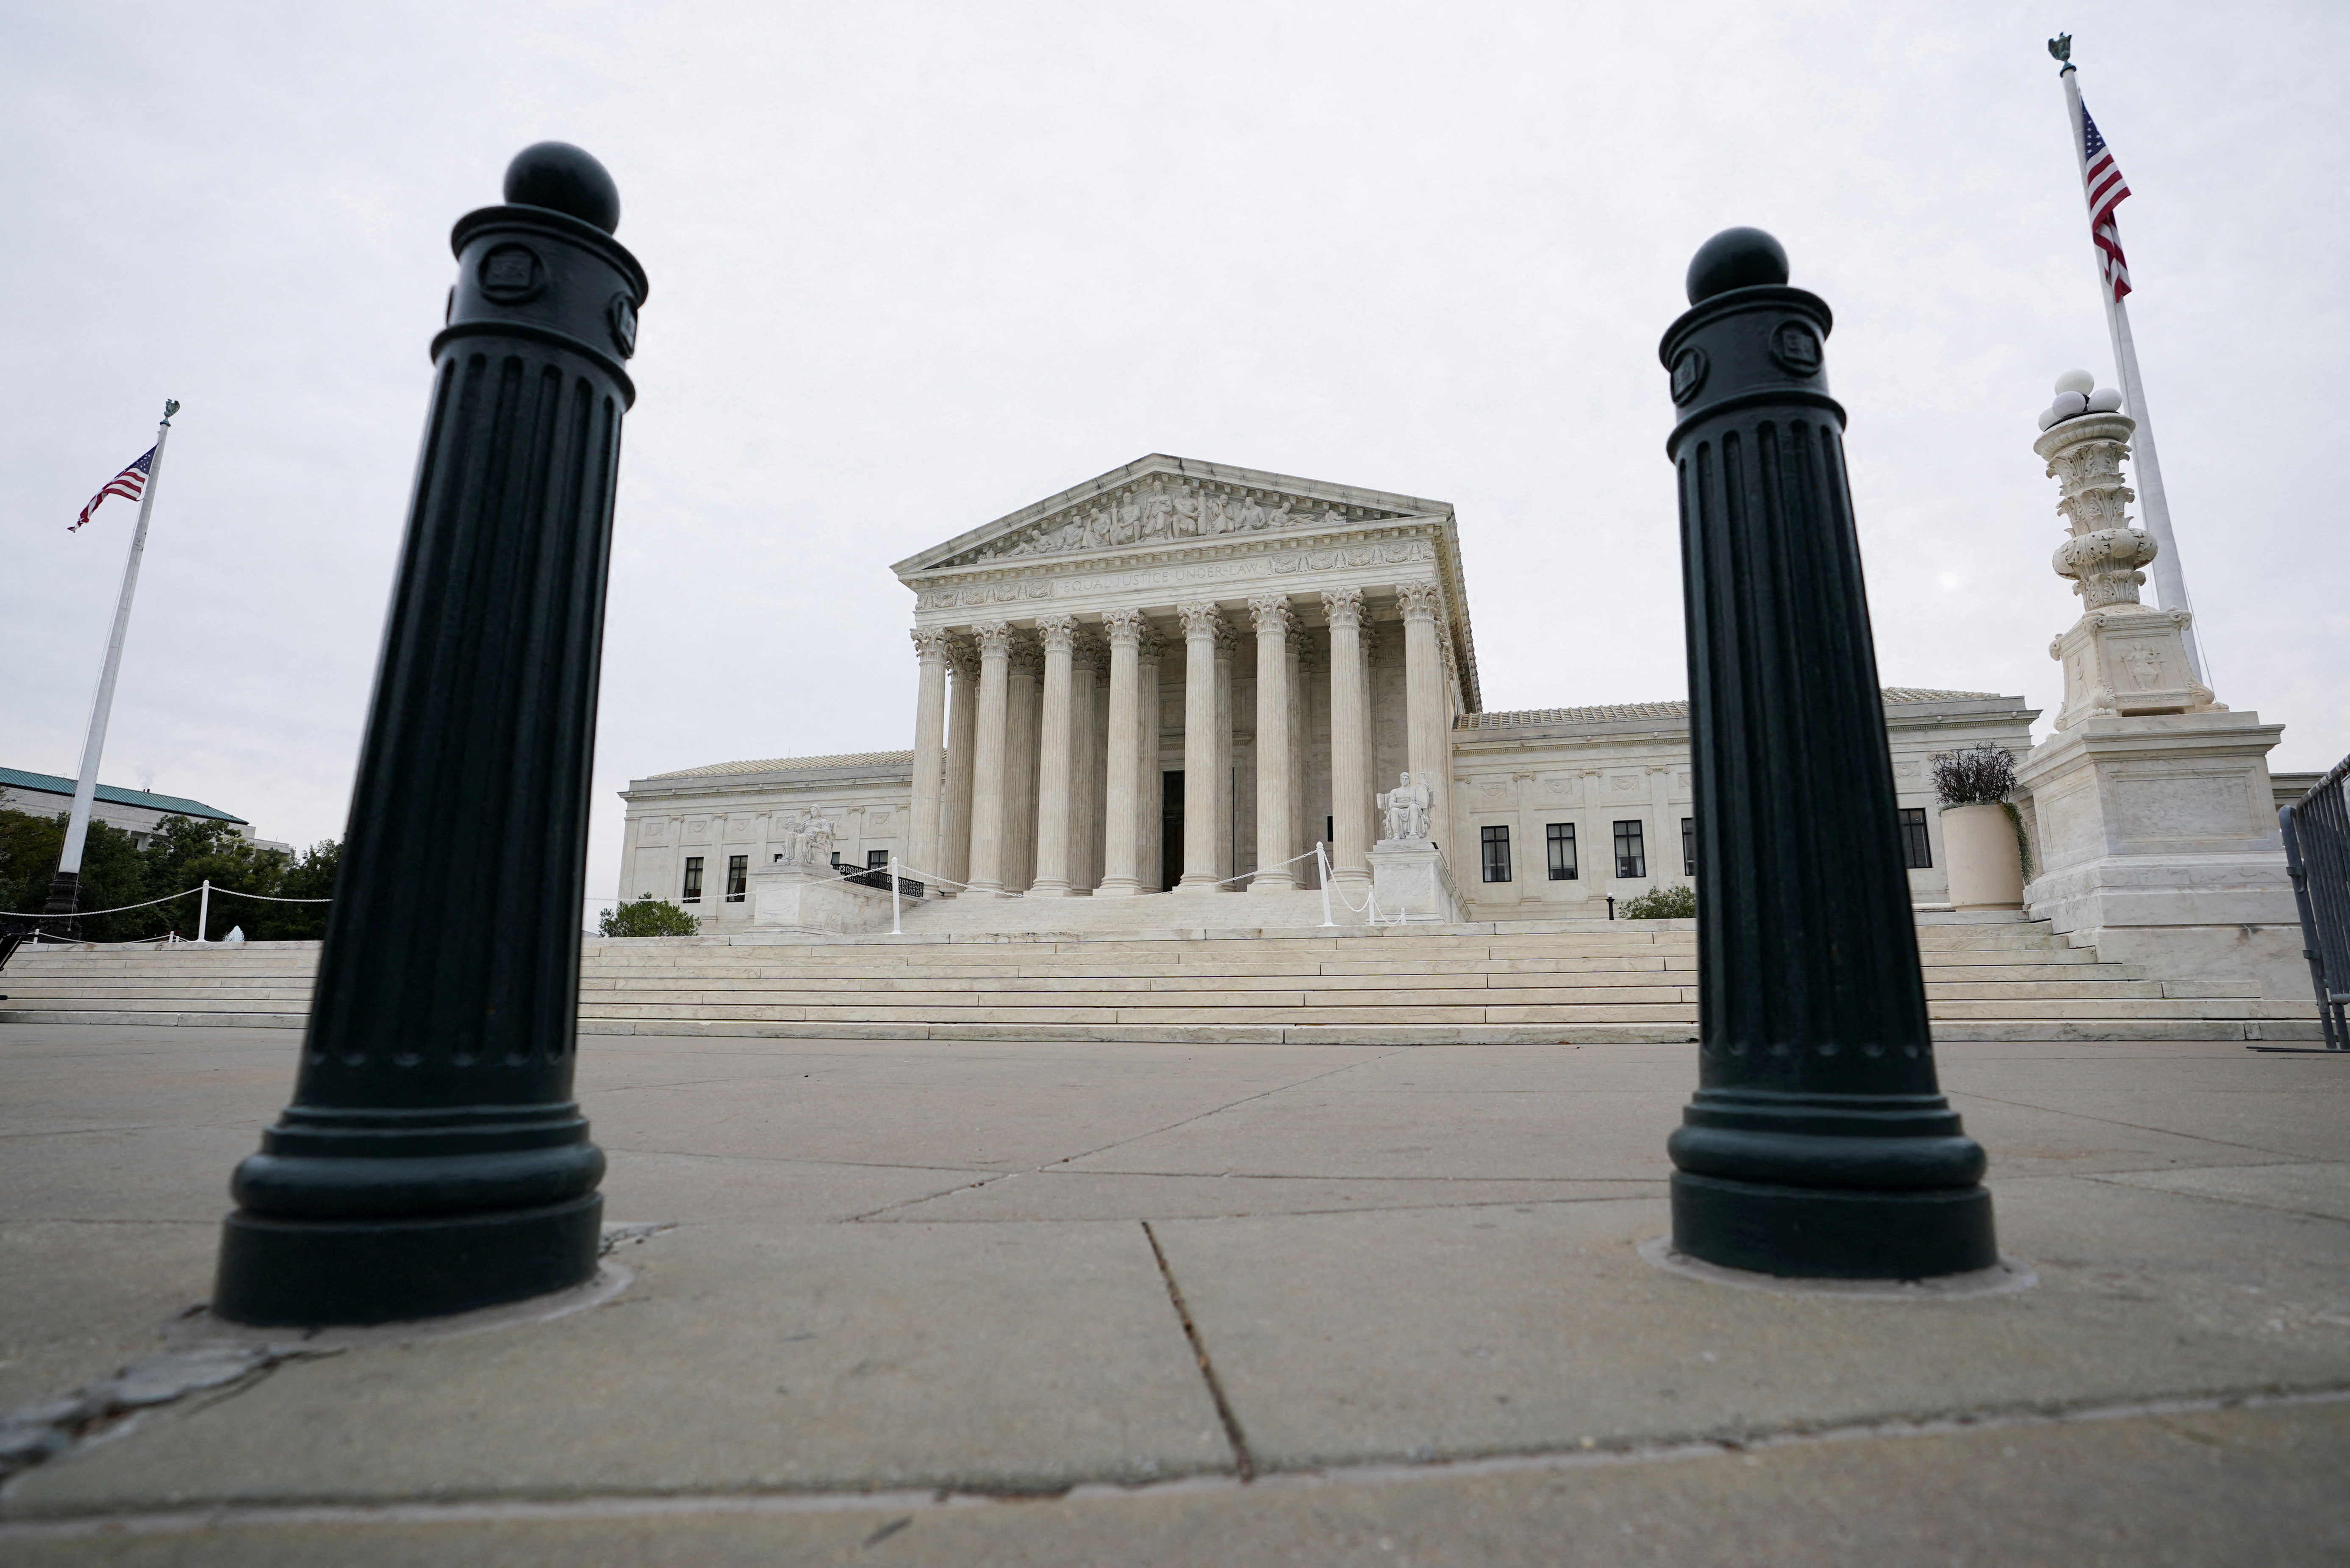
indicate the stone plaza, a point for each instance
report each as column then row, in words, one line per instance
column 1019, row 1301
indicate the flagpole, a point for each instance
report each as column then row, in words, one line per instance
column 65, row 890
column 2169, row 580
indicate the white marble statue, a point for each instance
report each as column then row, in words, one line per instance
column 1406, row 807
column 808, row 838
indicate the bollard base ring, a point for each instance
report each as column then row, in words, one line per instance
column 319, row 1272
column 1833, row 1233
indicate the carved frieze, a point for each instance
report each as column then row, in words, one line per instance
column 1165, row 508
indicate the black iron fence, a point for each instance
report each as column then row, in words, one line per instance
column 877, row 878
column 2317, row 853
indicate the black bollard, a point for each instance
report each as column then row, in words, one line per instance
column 432, row 1159
column 1818, row 1143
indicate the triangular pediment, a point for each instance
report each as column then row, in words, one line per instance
column 1167, row 501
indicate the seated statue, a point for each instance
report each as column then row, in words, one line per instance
column 808, row 838
column 1406, row 807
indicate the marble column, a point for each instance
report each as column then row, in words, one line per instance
column 1228, row 642
column 963, row 732
column 990, row 755
column 1350, row 724
column 1425, row 719
column 1201, row 625
column 1085, row 769
column 1055, row 760
column 1304, row 827
column 929, row 804
column 1021, row 702
column 1276, row 742
column 1152, row 827
column 1123, row 800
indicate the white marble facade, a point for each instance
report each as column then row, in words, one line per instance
column 1297, row 644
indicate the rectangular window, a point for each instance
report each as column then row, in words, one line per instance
column 1497, row 853
column 877, row 860
column 1631, row 850
column 1917, row 849
column 738, row 878
column 1689, row 845
column 692, row 894
column 1561, row 836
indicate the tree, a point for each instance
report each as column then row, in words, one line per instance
column 1661, row 904
column 647, row 917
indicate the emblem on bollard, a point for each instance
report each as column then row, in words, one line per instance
column 512, row 274
column 1688, row 374
column 1796, row 348
column 623, row 318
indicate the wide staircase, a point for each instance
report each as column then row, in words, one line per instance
column 1988, row 978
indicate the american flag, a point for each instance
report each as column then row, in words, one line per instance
column 128, row 484
column 2106, row 189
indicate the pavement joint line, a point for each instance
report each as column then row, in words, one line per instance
column 1590, row 1454
column 791, row 1159
column 928, row 1197
column 1243, row 1462
column 2217, row 1196
column 1219, row 1110
column 2283, row 1155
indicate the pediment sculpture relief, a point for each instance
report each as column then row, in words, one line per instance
column 1164, row 508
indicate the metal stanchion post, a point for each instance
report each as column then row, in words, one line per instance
column 432, row 1159
column 1818, row 1143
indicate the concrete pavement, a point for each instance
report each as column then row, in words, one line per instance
column 917, row 1302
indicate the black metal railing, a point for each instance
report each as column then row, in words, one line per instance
column 2317, row 853
column 877, row 878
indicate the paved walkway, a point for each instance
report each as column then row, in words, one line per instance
column 963, row 1303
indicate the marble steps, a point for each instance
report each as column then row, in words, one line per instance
column 1587, row 981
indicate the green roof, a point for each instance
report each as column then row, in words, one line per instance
column 178, row 805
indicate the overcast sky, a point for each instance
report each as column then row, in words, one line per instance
column 915, row 266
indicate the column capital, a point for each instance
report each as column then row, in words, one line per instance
column 930, row 643
column 1202, row 622
column 1124, row 628
column 994, row 639
column 1417, row 601
column 962, row 658
column 1091, row 653
column 1151, row 644
column 1343, row 605
column 1027, row 654
column 1270, row 613
column 1057, row 633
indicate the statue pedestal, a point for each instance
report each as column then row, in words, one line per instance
column 1409, row 880
column 795, row 896
column 2158, row 842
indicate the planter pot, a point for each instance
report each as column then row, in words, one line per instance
column 1986, row 872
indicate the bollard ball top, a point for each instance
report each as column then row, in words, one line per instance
column 1735, row 258
column 559, row 176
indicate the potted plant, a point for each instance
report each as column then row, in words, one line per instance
column 1982, row 833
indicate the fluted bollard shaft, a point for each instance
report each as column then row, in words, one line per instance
column 1818, row 1143
column 432, row 1159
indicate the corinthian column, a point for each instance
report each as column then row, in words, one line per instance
column 1086, row 669
column 1350, row 724
column 1054, row 761
column 1274, row 739
column 963, row 732
column 929, row 746
column 1425, row 720
column 1022, row 697
column 1151, row 808
column 988, row 792
column 1201, row 625
column 1122, row 806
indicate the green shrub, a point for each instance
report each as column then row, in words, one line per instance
column 647, row 917
column 1660, row 904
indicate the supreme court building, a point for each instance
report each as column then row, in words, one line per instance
column 1172, row 680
